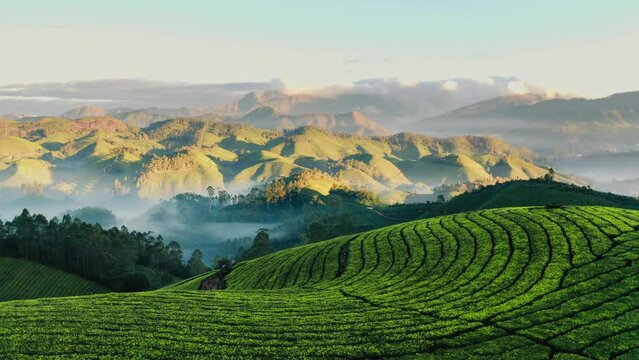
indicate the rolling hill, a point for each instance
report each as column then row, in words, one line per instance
column 23, row 279
column 530, row 283
column 93, row 155
column 532, row 193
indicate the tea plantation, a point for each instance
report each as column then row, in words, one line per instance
column 515, row 283
column 23, row 279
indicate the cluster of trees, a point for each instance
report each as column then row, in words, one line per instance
column 95, row 215
column 179, row 161
column 362, row 197
column 165, row 163
column 117, row 258
column 288, row 189
column 221, row 197
column 261, row 246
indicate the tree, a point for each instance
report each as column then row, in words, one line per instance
column 135, row 282
column 223, row 264
column 261, row 242
column 175, row 257
column 195, row 265
column 316, row 232
column 441, row 198
column 223, row 197
column 550, row 176
column 261, row 246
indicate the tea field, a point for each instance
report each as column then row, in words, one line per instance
column 22, row 279
column 513, row 283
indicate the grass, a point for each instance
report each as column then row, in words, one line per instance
column 26, row 171
column 14, row 147
column 22, row 279
column 511, row 283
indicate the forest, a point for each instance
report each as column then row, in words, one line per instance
column 120, row 259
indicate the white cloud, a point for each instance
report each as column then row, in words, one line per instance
column 450, row 86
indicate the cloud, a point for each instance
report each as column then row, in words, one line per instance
column 388, row 100
column 395, row 102
column 55, row 98
column 50, row 99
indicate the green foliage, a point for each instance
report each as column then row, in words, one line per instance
column 195, row 265
column 114, row 258
column 95, row 215
column 550, row 176
column 261, row 246
column 513, row 283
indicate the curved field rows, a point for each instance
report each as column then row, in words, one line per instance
column 22, row 279
column 521, row 283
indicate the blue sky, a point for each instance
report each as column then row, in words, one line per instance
column 586, row 47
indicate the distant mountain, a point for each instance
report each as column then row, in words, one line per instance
column 85, row 111
column 495, row 105
column 139, row 118
column 353, row 122
column 386, row 109
column 622, row 106
column 279, row 101
column 554, row 127
column 105, row 155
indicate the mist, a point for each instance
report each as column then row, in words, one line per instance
column 213, row 238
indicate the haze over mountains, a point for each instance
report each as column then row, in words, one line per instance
column 574, row 133
column 386, row 100
column 98, row 156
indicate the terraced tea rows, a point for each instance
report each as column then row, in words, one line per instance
column 508, row 283
column 22, row 279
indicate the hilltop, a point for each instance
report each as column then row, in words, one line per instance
column 353, row 122
column 84, row 112
column 533, row 193
column 528, row 283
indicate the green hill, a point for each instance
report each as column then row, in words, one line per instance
column 23, row 279
column 90, row 155
column 533, row 193
column 511, row 283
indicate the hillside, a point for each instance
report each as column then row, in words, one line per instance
column 514, row 283
column 104, row 155
column 23, row 279
column 533, row 193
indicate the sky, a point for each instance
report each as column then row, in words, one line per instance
column 584, row 47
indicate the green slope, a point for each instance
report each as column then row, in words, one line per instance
column 533, row 193
column 516, row 283
column 22, row 279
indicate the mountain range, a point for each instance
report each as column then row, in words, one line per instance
column 101, row 155
column 554, row 127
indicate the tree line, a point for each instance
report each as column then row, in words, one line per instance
column 120, row 259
